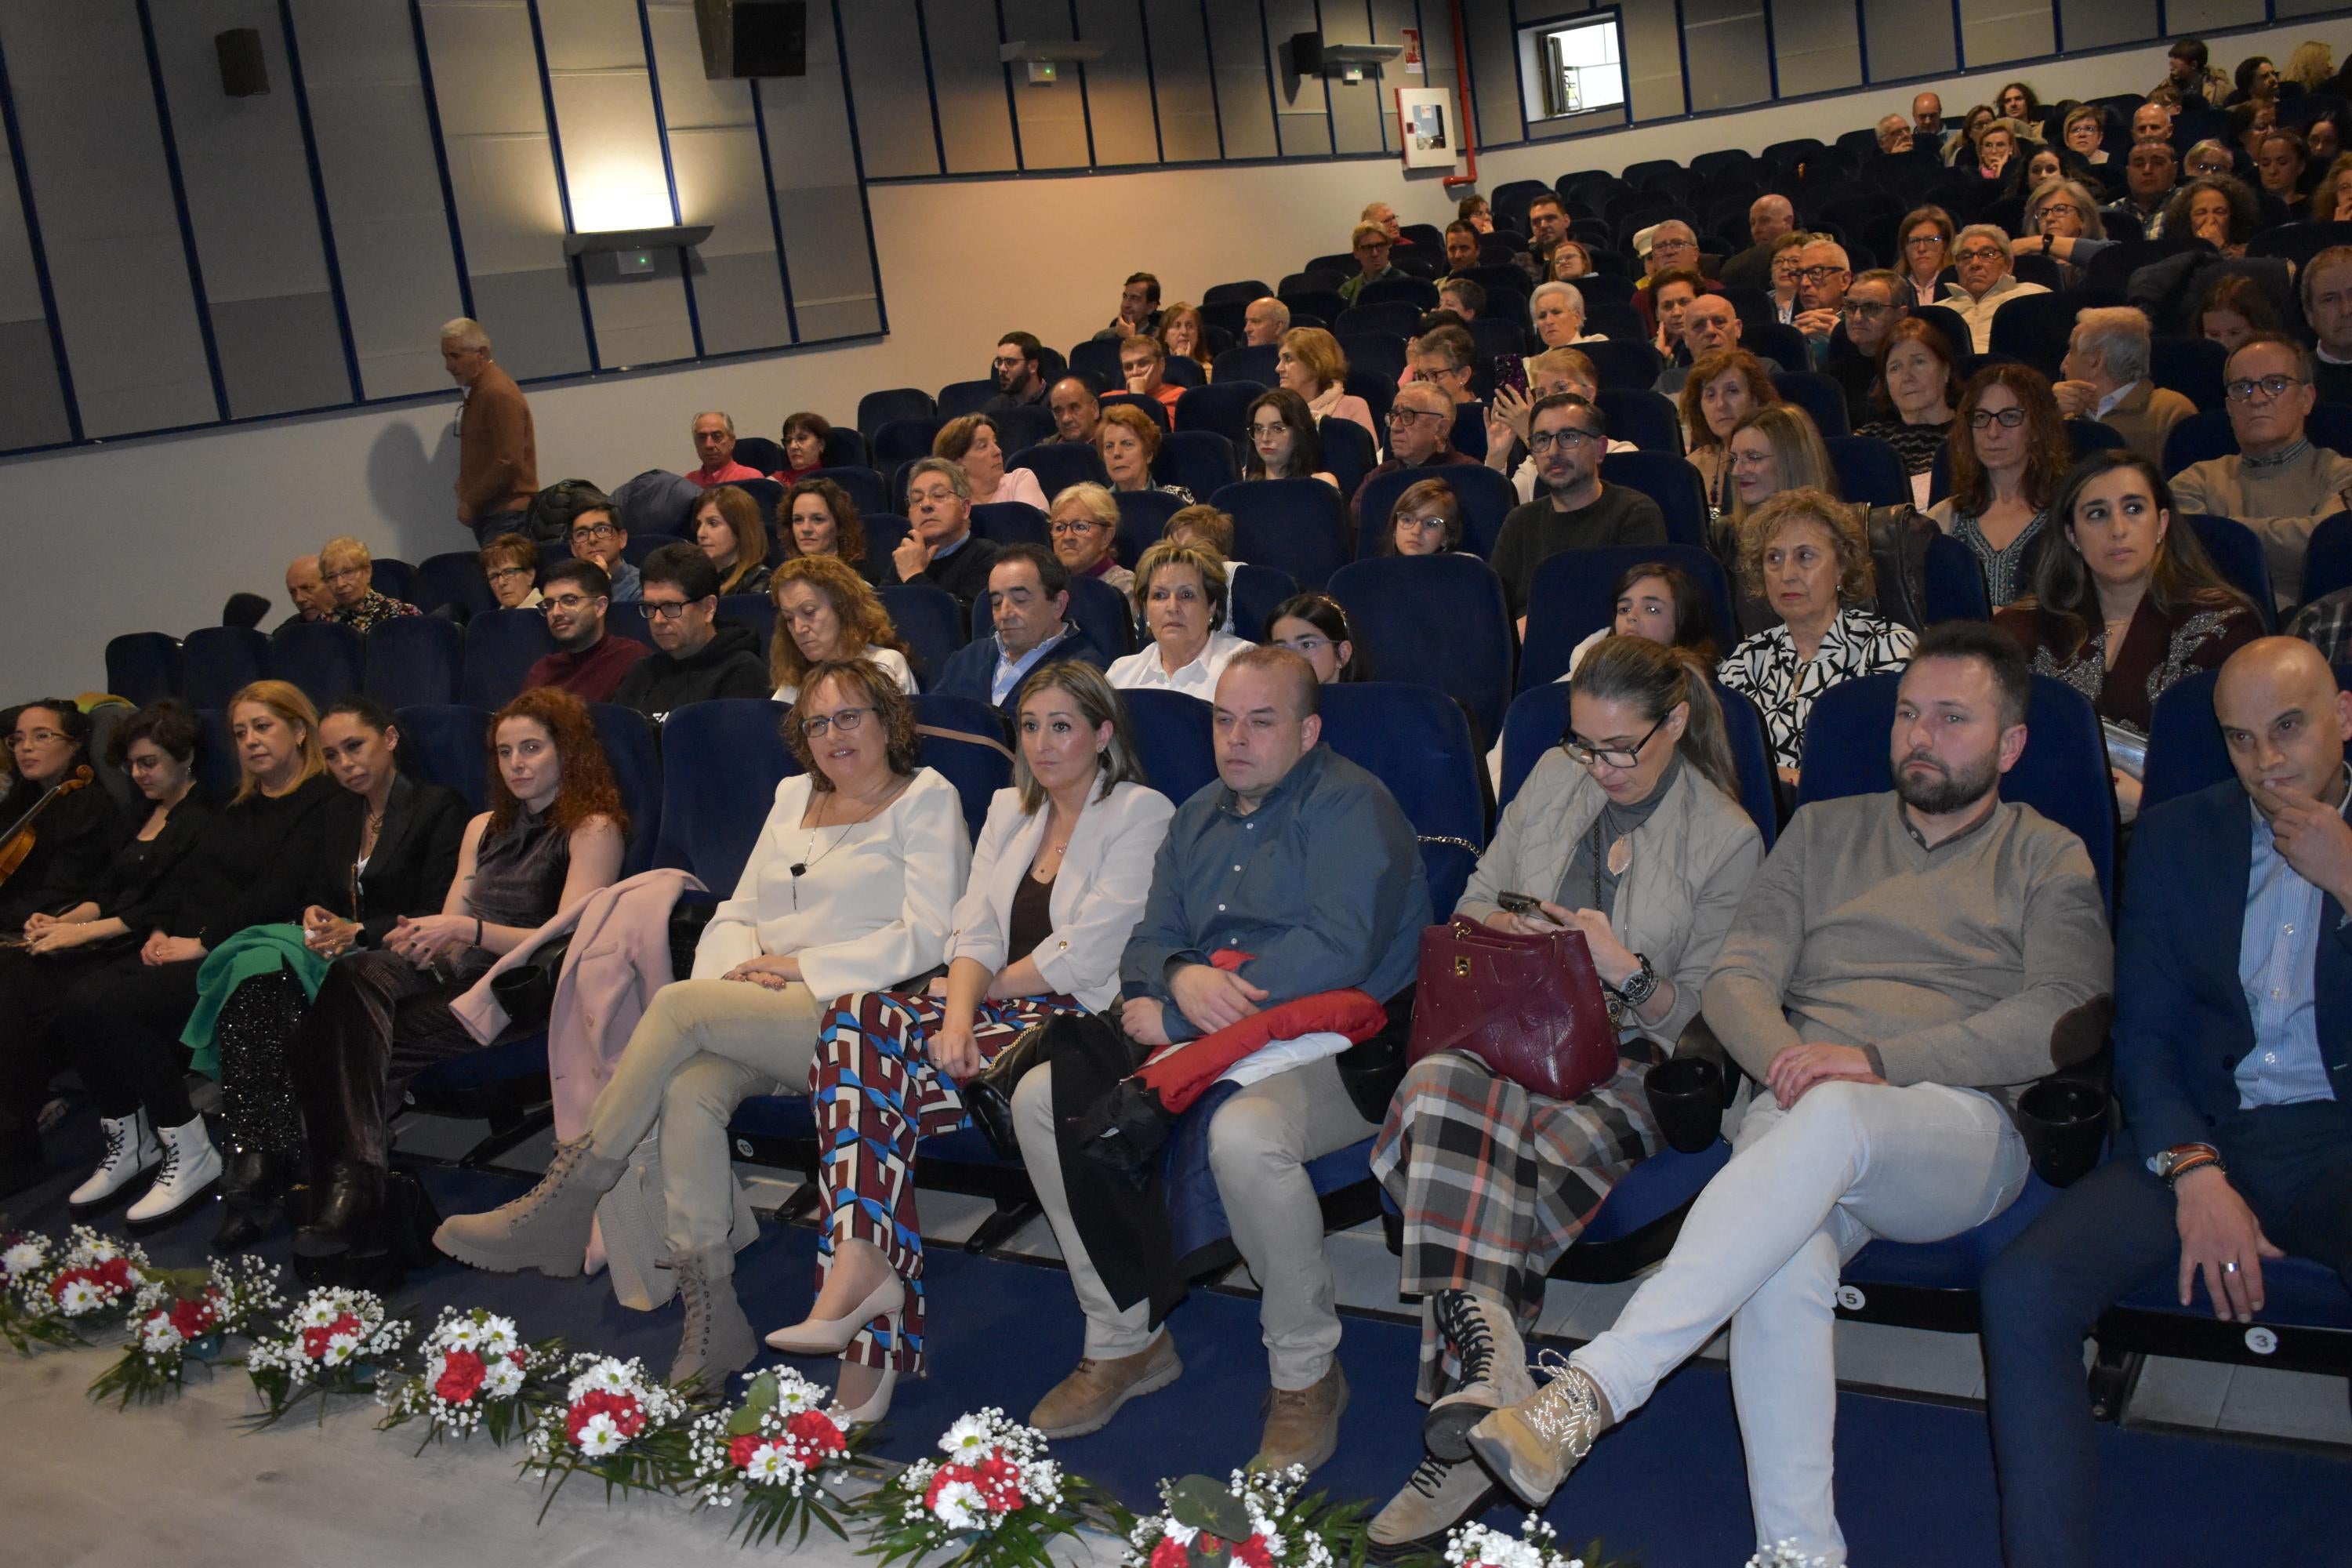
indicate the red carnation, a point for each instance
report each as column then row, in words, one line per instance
column 742, row 1450
column 1000, row 1482
column 195, row 1317
column 628, row 1419
column 115, row 1273
column 945, row 1476
column 1253, row 1552
column 812, row 1438
column 461, row 1377
column 1169, row 1553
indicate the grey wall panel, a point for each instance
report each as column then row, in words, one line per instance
column 1653, row 59
column 714, row 143
column 384, row 193
column 1118, row 88
column 1992, row 31
column 1357, row 111
column 502, row 167
column 1817, row 47
column 2100, row 24
column 247, row 179
column 1389, row 20
column 32, row 391
column 1237, row 59
column 1729, row 58
column 825, row 241
column 1052, row 117
column 1302, row 107
column 94, row 147
column 1494, row 72
column 1907, row 39
column 894, row 107
column 1183, row 85
column 968, row 80
column 2185, row 16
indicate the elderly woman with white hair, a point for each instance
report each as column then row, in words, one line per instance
column 1556, row 312
column 2063, row 222
column 1982, row 258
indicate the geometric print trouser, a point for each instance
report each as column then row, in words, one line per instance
column 876, row 1095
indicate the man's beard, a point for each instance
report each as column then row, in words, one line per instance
column 1943, row 791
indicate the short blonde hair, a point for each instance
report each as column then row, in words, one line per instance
column 344, row 547
column 1856, row 581
column 1202, row 520
column 1094, row 500
column 1320, row 352
column 1207, row 562
column 1365, row 231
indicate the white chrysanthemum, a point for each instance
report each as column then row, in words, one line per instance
column 24, row 1257
column 463, row 1335
column 499, row 1335
column 340, row 1349
column 158, row 1337
column 612, row 1376
column 502, row 1379
column 600, row 1435
column 1181, row 1535
column 960, row 1506
column 969, row 1440
column 318, row 1312
column 771, row 1462
column 80, row 1297
column 797, row 1398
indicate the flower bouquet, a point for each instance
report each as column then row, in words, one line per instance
column 1785, row 1554
column 336, row 1341
column 772, row 1456
column 996, row 1500
column 53, row 1291
column 182, row 1315
column 1256, row 1520
column 1536, row 1546
column 615, row 1421
column 478, row 1376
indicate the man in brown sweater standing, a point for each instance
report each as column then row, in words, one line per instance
column 1902, row 963
column 498, row 458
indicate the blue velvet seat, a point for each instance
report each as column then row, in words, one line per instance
column 143, row 667
column 449, row 743
column 453, row 580
column 876, row 409
column 928, row 621
column 1058, row 464
column 1200, row 461
column 1142, row 516
column 2237, row 553
column 1011, row 523
column 500, row 649
column 865, row 486
column 1573, row 595
column 1173, row 734
column 1487, row 497
column 214, row 661
column 1222, row 408
column 1297, row 526
column 1417, row 742
column 412, row 660
column 1668, row 480
column 1438, row 620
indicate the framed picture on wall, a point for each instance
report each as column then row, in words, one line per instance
column 1425, row 127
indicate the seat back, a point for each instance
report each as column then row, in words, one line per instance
column 1417, row 742
column 904, row 440
column 928, row 621
column 1646, row 418
column 1955, row 582
column 1486, row 498
column 1174, row 737
column 633, row 751
column 143, row 667
column 1870, row 471
column 2191, row 366
column 957, row 398
column 2034, row 328
column 1250, row 362
column 1200, row 461
column 2198, row 438
column 413, row 661
column 1011, row 523
column 755, row 613
column 214, row 661
column 455, row 580
column 449, row 743
column 1670, row 481
column 1297, row 526
column 1244, row 292
column 392, row 579
column 1150, row 407
column 1437, row 621
column 1818, row 396
column 1418, row 292
column 500, row 649
column 2063, row 773
column 1618, row 364
column 1348, row 453
column 1393, row 316
column 2327, row 559
column 2185, row 749
column 1058, row 464
column 721, row 762
column 1255, row 589
column 758, row 452
column 2236, row 554
column 1222, row 406
column 876, row 409
column 973, row 757
column 1142, row 516
column 864, row 485
column 1574, row 595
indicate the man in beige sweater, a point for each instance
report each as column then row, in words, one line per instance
column 2106, row 378
column 2277, row 483
column 1901, row 963
column 497, row 457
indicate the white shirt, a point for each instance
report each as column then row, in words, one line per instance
column 2106, row 405
column 1142, row 670
column 889, row 658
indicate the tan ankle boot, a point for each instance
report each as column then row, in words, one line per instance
column 1085, row 1401
column 1534, row 1444
column 1302, row 1425
column 547, row 1227
column 1494, row 1361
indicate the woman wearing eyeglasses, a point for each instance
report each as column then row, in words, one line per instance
column 1284, row 443
column 511, row 564
column 1630, row 832
column 1926, row 251
column 2063, row 222
column 1982, row 259
column 847, row 889
column 2010, row 452
column 49, row 741
column 1085, row 531
column 1316, row 627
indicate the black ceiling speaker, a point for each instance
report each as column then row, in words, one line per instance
column 243, row 73
column 1306, row 54
column 753, row 38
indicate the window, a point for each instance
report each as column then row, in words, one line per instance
column 1572, row 68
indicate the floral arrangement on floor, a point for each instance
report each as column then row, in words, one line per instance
column 1256, row 1520
column 1537, row 1545
column 772, row 1456
column 478, row 1376
column 614, row 1421
column 180, row 1316
column 996, row 1499
column 336, row 1340
column 54, row 1291
column 1786, row 1554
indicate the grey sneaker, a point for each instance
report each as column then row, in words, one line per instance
column 1494, row 1369
column 1534, row 1444
column 1436, row 1497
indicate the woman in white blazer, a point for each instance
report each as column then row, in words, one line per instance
column 848, row 887
column 1059, row 881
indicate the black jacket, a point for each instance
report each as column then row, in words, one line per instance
column 971, row 670
column 261, row 862
column 138, row 886
column 728, row 666
column 964, row 574
column 73, row 839
column 415, row 861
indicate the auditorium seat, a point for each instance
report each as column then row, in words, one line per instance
column 1200, row 461
column 1173, row 738
column 1487, row 497
column 448, row 744
column 1437, row 621
column 411, row 661
column 143, row 667
column 865, row 487
column 876, row 409
column 1869, row 471
column 2237, row 553
column 969, row 752
column 1142, row 516
column 1058, row 464
column 214, row 661
column 928, row 621
column 1417, row 742
column 1573, row 594
column 957, row 398
column 454, row 579
column 500, row 649
column 631, row 745
column 904, row 440
column 1668, row 480
column 1011, row 523
column 755, row 613
column 721, row 763
column 1222, row 408
column 1255, row 589
column 1349, row 452
column 1297, row 526
column 1818, row 396
column 1646, row 418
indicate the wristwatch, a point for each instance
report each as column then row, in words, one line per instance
column 1640, row 985
column 2171, row 1164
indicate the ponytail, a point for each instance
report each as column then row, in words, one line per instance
column 1655, row 678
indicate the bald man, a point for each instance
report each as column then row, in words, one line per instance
column 1769, row 217
column 2234, row 982
column 307, row 586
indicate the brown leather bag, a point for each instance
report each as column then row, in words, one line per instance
column 1531, row 1007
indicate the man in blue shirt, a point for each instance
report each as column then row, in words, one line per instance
column 2233, row 1060
column 1302, row 860
column 1028, row 594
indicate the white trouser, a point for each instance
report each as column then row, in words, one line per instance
column 1805, row 1190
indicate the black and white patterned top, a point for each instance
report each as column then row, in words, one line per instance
column 1783, row 683
column 1916, row 445
column 2005, row 570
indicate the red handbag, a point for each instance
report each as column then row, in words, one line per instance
column 1529, row 1007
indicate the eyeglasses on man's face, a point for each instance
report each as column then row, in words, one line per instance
column 1566, row 440
column 593, row 532
column 1666, row 246
column 1815, row 274
column 566, row 603
column 844, row 720
column 1978, row 253
column 1866, row 309
column 664, row 609
column 1407, row 416
column 2242, row 389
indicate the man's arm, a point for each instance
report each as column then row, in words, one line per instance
column 1163, row 937
column 1360, row 861
column 1742, row 1001
column 499, row 454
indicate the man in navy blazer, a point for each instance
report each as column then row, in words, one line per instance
column 2233, row 1060
column 1028, row 595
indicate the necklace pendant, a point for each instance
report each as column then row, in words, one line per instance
column 1621, row 856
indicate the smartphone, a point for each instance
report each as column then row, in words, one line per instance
column 1511, row 370
column 1525, row 905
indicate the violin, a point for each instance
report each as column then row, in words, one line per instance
column 20, row 842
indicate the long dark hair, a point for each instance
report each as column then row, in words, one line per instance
column 2066, row 593
column 1694, row 622
column 379, row 718
column 1329, row 616
column 1306, row 440
column 2048, row 448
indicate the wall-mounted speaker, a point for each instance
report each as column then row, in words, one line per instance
column 753, row 38
column 243, row 73
column 1306, row 54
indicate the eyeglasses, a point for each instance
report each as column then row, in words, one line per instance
column 500, row 574
column 2242, row 389
column 1865, row 308
column 23, row 738
column 663, row 610
column 1923, row 242
column 1071, row 528
column 345, row 573
column 1265, row 432
column 1657, row 246
column 1817, row 273
column 1978, row 253
column 591, row 532
column 1586, row 753
column 1407, row 416
column 2008, row 418
column 846, row 722
column 1566, row 440
column 549, row 604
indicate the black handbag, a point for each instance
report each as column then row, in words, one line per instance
column 988, row 1094
column 527, row 990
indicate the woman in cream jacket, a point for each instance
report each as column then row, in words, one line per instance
column 1058, row 881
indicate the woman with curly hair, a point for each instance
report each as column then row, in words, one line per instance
column 1805, row 553
column 2009, row 452
column 554, row 834
column 848, row 887
column 825, row 614
column 1722, row 389
column 819, row 519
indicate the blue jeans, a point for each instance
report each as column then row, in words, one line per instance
column 491, row 524
column 2111, row 1233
